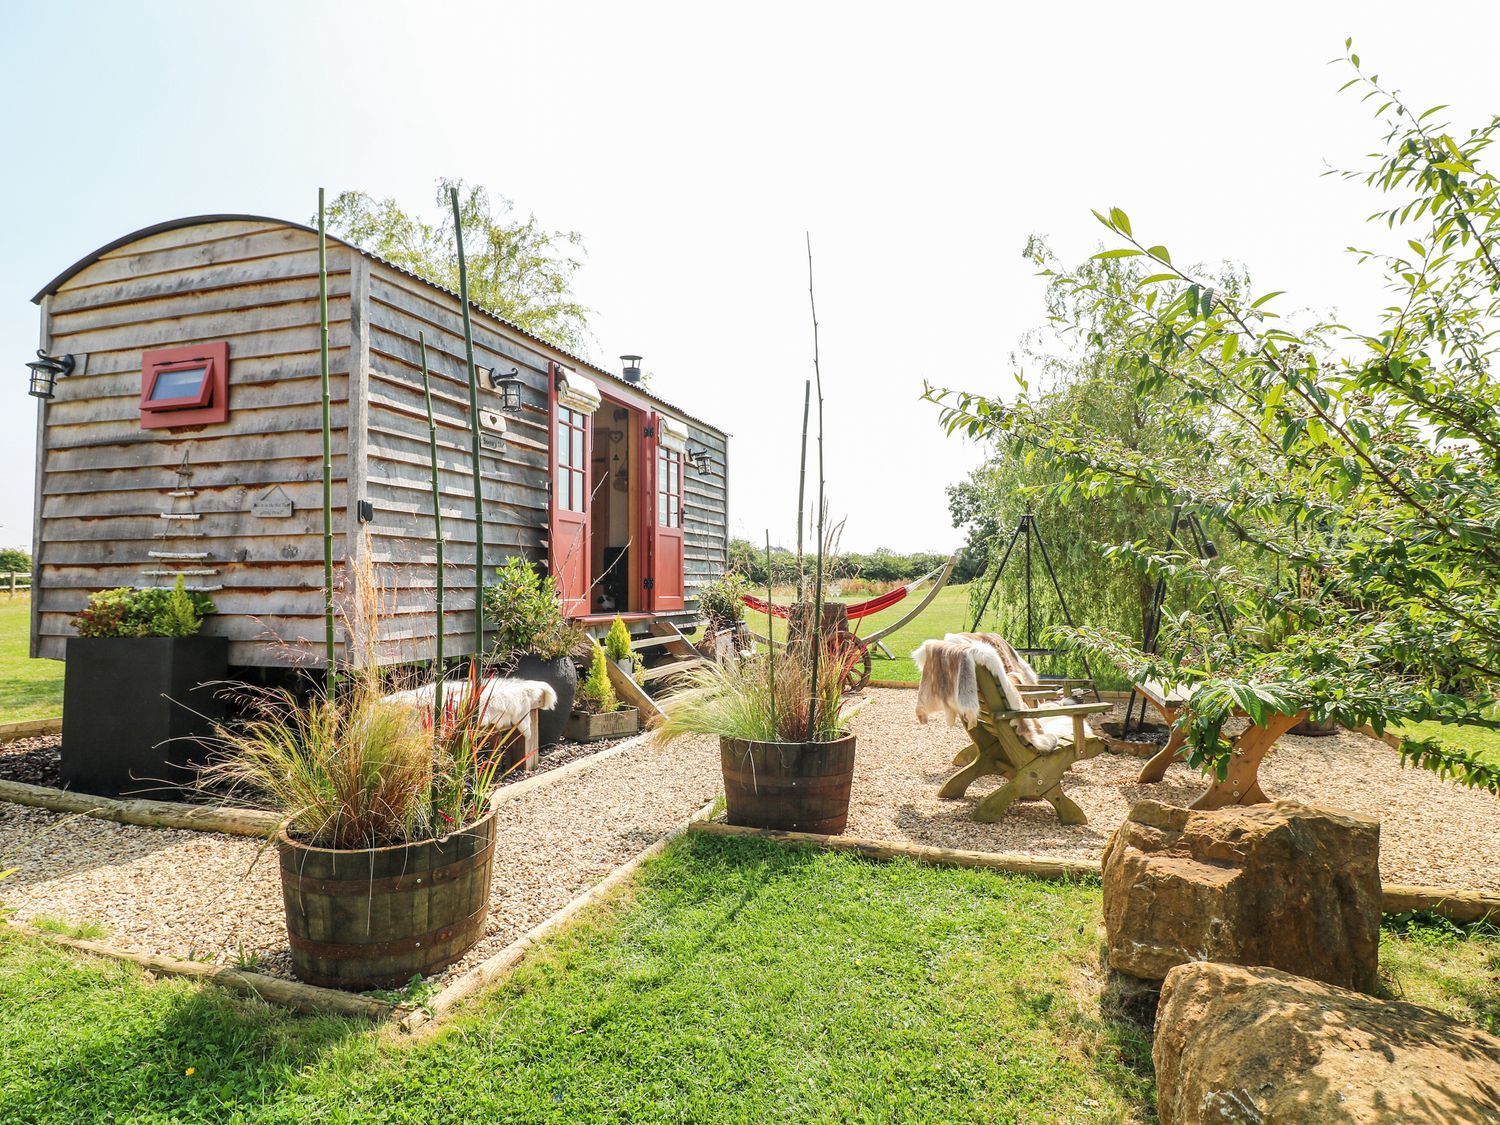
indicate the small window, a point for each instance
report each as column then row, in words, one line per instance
column 185, row 386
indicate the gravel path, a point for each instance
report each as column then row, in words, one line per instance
column 1432, row 831
column 212, row 897
column 193, row 894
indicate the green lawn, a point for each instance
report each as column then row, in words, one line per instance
column 741, row 981
column 29, row 689
column 1483, row 739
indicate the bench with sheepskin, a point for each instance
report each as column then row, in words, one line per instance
column 980, row 681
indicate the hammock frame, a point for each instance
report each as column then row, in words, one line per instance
column 1028, row 530
column 943, row 574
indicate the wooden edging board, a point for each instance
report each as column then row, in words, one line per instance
column 29, row 728
column 1457, row 905
column 147, row 813
column 274, row 990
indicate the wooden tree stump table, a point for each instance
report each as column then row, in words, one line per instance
column 1241, row 785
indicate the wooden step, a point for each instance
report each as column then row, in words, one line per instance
column 651, row 674
column 638, row 643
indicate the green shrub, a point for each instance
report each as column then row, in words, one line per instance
column 596, row 694
column 720, row 601
column 153, row 612
column 527, row 613
column 617, row 641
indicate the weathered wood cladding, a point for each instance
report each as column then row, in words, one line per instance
column 103, row 482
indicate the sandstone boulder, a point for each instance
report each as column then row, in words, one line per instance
column 1260, row 1045
column 1281, row 884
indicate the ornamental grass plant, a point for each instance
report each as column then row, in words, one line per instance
column 352, row 767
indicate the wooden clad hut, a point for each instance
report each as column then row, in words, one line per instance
column 187, row 441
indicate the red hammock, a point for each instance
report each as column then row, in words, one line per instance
column 856, row 609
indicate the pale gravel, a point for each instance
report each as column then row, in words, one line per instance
column 1432, row 832
column 214, row 897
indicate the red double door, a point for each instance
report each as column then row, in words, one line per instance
column 658, row 515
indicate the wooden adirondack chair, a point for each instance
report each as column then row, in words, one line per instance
column 1030, row 775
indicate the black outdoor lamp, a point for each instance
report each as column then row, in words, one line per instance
column 700, row 459
column 509, row 386
column 44, row 372
column 632, row 368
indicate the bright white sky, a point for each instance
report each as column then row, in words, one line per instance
column 693, row 144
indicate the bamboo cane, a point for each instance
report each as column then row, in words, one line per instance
column 816, row 632
column 437, row 526
column 801, row 492
column 463, row 296
column 329, row 651
column 770, row 631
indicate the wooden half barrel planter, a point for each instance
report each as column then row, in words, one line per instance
column 788, row 786
column 373, row 918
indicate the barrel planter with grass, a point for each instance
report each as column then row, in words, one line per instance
column 788, row 786
column 373, row 918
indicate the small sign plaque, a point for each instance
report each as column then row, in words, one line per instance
column 274, row 505
column 490, row 441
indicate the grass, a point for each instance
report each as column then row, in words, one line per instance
column 1483, row 739
column 29, row 689
column 741, row 981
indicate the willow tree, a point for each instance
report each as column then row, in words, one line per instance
column 1364, row 460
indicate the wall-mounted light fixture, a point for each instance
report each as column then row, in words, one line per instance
column 509, row 386
column 44, row 372
column 700, row 458
column 632, row 368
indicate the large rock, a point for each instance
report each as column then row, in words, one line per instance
column 1260, row 1045
column 1282, row 884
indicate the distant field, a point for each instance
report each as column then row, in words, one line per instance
column 1483, row 739
column 29, row 689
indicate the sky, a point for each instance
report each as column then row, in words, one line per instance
column 693, row 145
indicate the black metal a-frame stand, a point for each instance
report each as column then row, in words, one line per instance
column 1186, row 532
column 1026, row 531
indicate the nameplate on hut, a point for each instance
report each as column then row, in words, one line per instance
column 274, row 505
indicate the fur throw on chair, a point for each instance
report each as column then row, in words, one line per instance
column 949, row 687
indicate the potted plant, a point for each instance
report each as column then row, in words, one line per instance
column 787, row 761
column 722, row 604
column 597, row 710
column 532, row 636
column 618, row 648
column 137, row 698
column 387, row 836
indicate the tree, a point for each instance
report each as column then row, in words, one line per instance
column 1361, row 465
column 1071, row 369
column 15, row 560
column 517, row 270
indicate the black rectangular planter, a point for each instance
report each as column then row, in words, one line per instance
column 132, row 709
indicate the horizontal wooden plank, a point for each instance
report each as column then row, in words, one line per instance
column 267, row 243
column 142, row 449
column 269, row 424
column 186, row 330
column 148, row 500
column 198, row 234
column 302, row 394
column 232, row 301
column 197, row 279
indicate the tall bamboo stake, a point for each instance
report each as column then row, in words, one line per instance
column 817, row 626
column 437, row 527
column 770, row 634
column 463, row 296
column 329, row 654
column 801, row 491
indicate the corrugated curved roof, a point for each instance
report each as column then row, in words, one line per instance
column 200, row 220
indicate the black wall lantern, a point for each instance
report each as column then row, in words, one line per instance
column 700, row 459
column 509, row 386
column 632, row 368
column 44, row 372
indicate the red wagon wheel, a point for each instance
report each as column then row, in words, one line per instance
column 857, row 663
